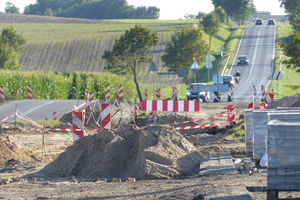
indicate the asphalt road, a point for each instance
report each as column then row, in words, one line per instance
column 258, row 44
column 38, row 109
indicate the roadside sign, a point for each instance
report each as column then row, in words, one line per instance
column 208, row 58
column 195, row 65
column 277, row 75
column 222, row 48
column 208, row 65
column 153, row 67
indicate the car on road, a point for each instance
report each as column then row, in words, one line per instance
column 271, row 22
column 228, row 79
column 196, row 91
column 258, row 22
column 242, row 60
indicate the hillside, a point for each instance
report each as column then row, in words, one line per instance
column 65, row 45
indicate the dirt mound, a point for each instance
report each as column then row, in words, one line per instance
column 152, row 152
column 10, row 150
column 289, row 101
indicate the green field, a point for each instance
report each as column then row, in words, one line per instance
column 78, row 46
column 290, row 83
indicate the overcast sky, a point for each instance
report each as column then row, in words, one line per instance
column 173, row 9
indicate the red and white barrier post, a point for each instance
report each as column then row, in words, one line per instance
column 90, row 96
column 2, row 97
column 231, row 111
column 29, row 91
column 152, row 115
column 105, row 116
column 263, row 93
column 120, row 93
column 107, row 91
column 78, row 124
column 55, row 117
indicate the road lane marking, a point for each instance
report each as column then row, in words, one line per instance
column 253, row 60
column 38, row 107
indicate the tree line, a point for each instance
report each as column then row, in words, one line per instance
column 292, row 49
column 92, row 9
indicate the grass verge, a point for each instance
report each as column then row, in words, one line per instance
column 289, row 85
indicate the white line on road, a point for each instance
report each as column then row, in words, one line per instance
column 253, row 60
column 38, row 107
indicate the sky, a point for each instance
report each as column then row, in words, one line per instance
column 173, row 9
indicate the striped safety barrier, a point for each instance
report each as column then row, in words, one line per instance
column 29, row 91
column 232, row 117
column 170, row 105
column 78, row 123
column 107, row 91
column 120, row 93
column 105, row 116
column 2, row 97
column 55, row 117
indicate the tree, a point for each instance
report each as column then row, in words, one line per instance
column 185, row 45
column 10, row 45
column 238, row 10
column 221, row 14
column 292, row 51
column 200, row 15
column 11, row 8
column 189, row 16
column 130, row 52
column 292, row 7
column 91, row 9
column 210, row 24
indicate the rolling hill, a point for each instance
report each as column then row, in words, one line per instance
column 69, row 44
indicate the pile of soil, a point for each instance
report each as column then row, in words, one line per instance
column 151, row 152
column 10, row 150
column 288, row 101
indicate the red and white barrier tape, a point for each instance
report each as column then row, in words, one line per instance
column 202, row 119
column 7, row 118
column 19, row 115
column 199, row 126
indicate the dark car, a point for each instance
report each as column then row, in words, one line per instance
column 258, row 22
column 242, row 60
column 271, row 22
column 196, row 91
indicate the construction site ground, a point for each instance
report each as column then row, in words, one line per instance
column 240, row 185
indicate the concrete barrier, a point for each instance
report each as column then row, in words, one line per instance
column 283, row 156
column 249, row 131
